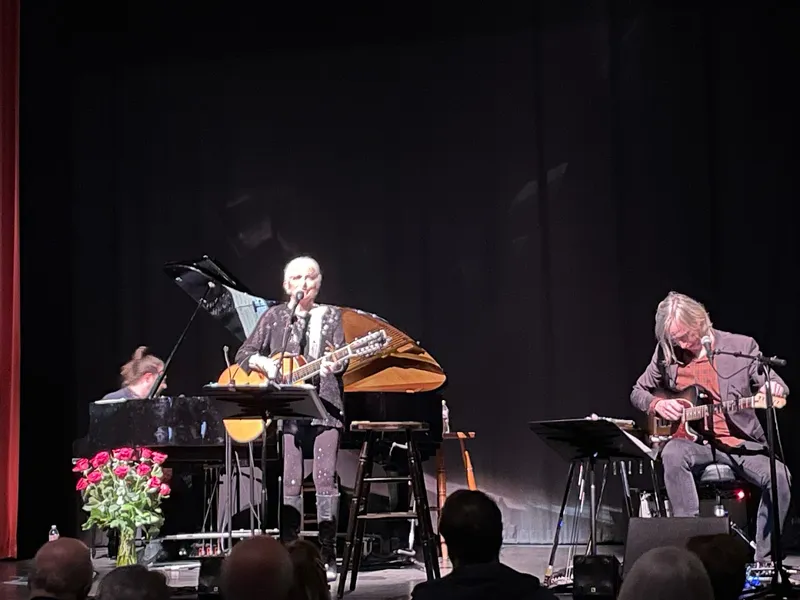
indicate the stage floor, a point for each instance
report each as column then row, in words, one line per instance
column 394, row 584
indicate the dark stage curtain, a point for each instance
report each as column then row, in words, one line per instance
column 517, row 192
column 9, row 276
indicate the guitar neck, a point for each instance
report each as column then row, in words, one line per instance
column 312, row 368
column 701, row 412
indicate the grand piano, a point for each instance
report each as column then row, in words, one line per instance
column 401, row 382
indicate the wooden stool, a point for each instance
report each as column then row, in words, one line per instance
column 441, row 476
column 358, row 506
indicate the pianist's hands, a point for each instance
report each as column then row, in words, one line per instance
column 266, row 365
column 326, row 367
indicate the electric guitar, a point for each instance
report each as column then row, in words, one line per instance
column 698, row 405
column 296, row 369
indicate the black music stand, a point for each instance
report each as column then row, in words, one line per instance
column 270, row 401
column 587, row 440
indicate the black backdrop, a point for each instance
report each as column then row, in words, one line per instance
column 517, row 190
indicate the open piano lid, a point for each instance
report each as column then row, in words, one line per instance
column 403, row 366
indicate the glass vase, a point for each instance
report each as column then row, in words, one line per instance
column 126, row 555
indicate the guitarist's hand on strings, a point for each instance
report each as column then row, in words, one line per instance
column 327, row 367
column 266, row 365
column 671, row 410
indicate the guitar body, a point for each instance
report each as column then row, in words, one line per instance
column 689, row 397
column 235, row 375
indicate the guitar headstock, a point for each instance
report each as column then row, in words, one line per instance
column 370, row 344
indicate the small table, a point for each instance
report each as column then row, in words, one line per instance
column 441, row 476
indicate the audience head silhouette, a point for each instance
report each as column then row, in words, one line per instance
column 62, row 569
column 725, row 558
column 310, row 580
column 668, row 573
column 472, row 527
column 133, row 582
column 257, row 568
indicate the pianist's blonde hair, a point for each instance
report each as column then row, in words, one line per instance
column 140, row 364
column 685, row 310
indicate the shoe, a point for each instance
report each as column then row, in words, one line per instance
column 327, row 513
column 291, row 518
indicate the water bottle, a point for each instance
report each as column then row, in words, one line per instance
column 445, row 417
column 53, row 535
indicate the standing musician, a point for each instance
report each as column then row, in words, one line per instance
column 138, row 376
column 680, row 360
column 315, row 330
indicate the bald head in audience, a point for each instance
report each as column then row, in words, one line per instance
column 61, row 569
column 257, row 568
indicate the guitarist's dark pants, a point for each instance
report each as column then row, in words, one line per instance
column 683, row 460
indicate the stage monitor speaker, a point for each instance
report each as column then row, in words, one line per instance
column 595, row 577
column 646, row 534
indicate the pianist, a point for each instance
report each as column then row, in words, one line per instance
column 138, row 375
column 316, row 328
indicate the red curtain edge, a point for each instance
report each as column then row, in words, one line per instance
column 9, row 297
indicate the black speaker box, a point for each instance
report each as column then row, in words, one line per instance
column 595, row 577
column 646, row 534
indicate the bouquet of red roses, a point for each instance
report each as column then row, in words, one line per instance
column 122, row 490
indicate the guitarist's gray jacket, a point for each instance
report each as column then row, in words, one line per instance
column 738, row 378
column 310, row 336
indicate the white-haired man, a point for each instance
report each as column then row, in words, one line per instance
column 679, row 361
column 315, row 330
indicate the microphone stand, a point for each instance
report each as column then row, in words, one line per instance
column 780, row 583
column 279, row 425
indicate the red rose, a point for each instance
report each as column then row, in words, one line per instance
column 121, row 471
column 159, row 458
column 142, row 469
column 94, row 476
column 123, row 453
column 100, row 459
column 145, row 453
column 83, row 483
column 81, row 466
column 164, row 489
column 154, row 482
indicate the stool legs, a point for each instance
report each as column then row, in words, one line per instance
column 361, row 524
column 441, row 496
column 423, row 511
column 355, row 505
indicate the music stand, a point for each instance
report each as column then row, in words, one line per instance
column 271, row 401
column 589, row 440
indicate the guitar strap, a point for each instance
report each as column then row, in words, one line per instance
column 662, row 365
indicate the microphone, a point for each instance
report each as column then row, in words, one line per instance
column 292, row 306
column 299, row 295
column 706, row 341
column 227, row 360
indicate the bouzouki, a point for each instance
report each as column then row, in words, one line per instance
column 698, row 405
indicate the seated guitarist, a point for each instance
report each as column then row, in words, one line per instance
column 679, row 361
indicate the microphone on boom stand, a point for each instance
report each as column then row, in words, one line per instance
column 298, row 296
column 293, row 302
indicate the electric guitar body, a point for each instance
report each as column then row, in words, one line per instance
column 690, row 397
column 698, row 405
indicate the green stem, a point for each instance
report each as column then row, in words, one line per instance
column 126, row 555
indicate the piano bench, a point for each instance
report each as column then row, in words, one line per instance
column 358, row 517
column 384, row 426
column 441, row 475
